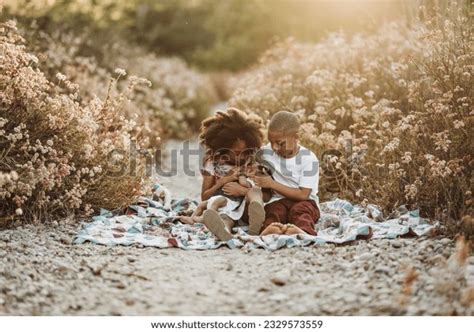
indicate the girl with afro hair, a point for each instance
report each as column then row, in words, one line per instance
column 231, row 140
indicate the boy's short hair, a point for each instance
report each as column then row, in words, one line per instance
column 284, row 122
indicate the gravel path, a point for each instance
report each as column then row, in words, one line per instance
column 41, row 273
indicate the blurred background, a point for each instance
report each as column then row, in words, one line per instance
column 212, row 35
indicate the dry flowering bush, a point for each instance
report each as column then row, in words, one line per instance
column 181, row 96
column 61, row 52
column 175, row 104
column 59, row 153
column 389, row 114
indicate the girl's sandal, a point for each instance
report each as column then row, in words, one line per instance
column 215, row 224
column 256, row 217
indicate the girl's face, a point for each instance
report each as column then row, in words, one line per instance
column 238, row 152
column 237, row 155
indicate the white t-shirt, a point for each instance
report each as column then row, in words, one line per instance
column 301, row 170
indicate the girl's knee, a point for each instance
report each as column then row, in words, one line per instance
column 218, row 203
column 254, row 192
column 221, row 201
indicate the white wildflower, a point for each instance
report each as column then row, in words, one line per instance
column 120, row 71
column 61, row 77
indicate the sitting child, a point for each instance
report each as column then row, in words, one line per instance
column 294, row 207
column 230, row 139
column 221, row 211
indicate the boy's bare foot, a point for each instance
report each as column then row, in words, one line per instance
column 293, row 230
column 215, row 224
column 256, row 217
column 274, row 228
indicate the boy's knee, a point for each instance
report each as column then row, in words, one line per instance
column 301, row 207
column 304, row 207
column 276, row 210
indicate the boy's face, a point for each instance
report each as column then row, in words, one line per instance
column 282, row 144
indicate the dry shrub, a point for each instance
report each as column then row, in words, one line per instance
column 62, row 52
column 178, row 100
column 60, row 153
column 181, row 96
column 395, row 106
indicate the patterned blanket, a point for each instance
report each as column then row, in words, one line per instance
column 153, row 222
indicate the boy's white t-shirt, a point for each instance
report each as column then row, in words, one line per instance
column 301, row 170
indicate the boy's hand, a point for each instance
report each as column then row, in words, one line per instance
column 263, row 181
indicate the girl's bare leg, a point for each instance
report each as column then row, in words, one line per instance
column 202, row 206
column 196, row 217
column 186, row 220
column 218, row 203
column 256, row 210
column 228, row 222
column 254, row 195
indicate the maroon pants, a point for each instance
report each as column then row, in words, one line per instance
column 299, row 213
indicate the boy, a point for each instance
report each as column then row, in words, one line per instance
column 293, row 208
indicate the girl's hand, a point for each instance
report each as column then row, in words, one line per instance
column 234, row 189
column 233, row 176
column 251, row 171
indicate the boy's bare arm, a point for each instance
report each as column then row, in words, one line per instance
column 296, row 194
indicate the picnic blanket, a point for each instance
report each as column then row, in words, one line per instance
column 153, row 222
